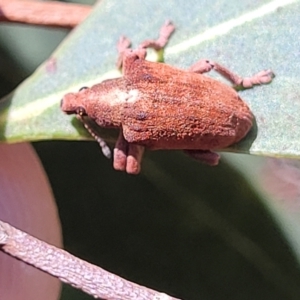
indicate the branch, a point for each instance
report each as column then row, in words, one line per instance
column 52, row 13
column 72, row 270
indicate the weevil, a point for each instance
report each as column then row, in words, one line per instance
column 157, row 106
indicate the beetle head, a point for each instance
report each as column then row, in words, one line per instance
column 72, row 104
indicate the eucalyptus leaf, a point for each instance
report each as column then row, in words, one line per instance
column 246, row 36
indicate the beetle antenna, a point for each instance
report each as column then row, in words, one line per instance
column 105, row 149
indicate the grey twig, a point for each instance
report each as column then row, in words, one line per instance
column 72, row 270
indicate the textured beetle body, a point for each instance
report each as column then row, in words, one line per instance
column 157, row 106
column 162, row 107
column 177, row 109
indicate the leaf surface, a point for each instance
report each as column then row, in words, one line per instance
column 246, row 37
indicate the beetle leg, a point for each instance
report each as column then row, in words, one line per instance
column 134, row 158
column 127, row 55
column 120, row 153
column 164, row 35
column 127, row 157
column 123, row 44
column 205, row 156
column 262, row 77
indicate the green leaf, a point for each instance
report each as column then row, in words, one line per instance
column 246, row 36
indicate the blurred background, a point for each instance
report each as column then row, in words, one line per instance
column 190, row 230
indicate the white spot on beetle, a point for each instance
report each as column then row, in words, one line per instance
column 124, row 97
column 133, row 96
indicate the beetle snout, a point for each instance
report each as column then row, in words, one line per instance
column 63, row 104
column 67, row 104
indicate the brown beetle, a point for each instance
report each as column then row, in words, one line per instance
column 158, row 106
